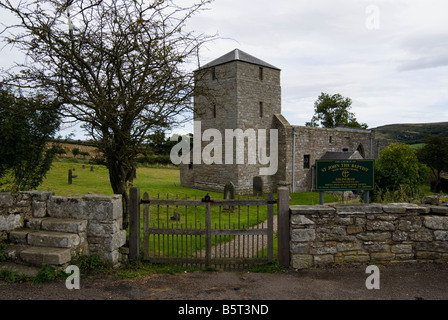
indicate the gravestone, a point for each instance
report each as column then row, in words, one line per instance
column 229, row 194
column 176, row 216
column 257, row 186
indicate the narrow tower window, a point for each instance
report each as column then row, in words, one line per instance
column 260, row 73
column 306, row 161
column 213, row 73
column 261, row 109
column 214, row 110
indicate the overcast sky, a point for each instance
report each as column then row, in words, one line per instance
column 389, row 56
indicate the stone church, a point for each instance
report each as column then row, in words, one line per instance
column 239, row 91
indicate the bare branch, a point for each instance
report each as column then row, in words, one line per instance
column 120, row 69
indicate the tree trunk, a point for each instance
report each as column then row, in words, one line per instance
column 117, row 177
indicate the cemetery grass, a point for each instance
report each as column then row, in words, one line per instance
column 163, row 182
column 160, row 181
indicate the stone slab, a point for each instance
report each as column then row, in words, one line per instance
column 46, row 255
column 19, row 236
column 361, row 209
column 21, row 269
column 53, row 239
column 321, row 209
column 10, row 222
column 64, row 225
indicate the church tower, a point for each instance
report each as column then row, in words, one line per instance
column 235, row 91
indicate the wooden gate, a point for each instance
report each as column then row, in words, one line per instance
column 204, row 232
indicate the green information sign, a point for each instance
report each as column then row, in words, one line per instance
column 344, row 175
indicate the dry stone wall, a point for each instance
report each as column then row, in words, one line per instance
column 374, row 233
column 16, row 209
column 103, row 215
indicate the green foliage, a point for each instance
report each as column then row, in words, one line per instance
column 306, row 198
column 3, row 254
column 158, row 148
column 123, row 80
column 75, row 152
column 12, row 277
column 48, row 273
column 155, row 159
column 89, row 264
column 333, row 111
column 434, row 154
column 393, row 196
column 59, row 150
column 26, row 125
column 399, row 171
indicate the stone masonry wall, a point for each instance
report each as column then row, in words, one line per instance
column 235, row 98
column 103, row 214
column 16, row 209
column 375, row 233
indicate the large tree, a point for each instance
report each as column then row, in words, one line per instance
column 435, row 155
column 117, row 66
column 26, row 126
column 398, row 168
column 332, row 111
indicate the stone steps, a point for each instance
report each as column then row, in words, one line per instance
column 46, row 255
column 51, row 241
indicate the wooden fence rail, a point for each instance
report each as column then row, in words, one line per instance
column 206, row 231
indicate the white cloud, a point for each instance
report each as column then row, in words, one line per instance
column 394, row 74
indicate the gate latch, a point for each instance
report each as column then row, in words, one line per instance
column 207, row 198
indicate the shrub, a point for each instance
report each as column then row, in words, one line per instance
column 399, row 174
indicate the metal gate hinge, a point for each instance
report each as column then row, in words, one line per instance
column 145, row 201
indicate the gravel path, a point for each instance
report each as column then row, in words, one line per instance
column 242, row 246
column 397, row 282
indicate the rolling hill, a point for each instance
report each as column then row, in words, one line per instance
column 410, row 133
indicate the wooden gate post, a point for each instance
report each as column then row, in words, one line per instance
column 270, row 228
column 134, row 224
column 283, row 225
column 208, row 230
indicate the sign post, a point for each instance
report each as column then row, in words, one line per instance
column 345, row 175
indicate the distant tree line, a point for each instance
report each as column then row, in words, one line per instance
column 412, row 133
column 158, row 148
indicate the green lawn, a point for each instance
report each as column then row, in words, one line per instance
column 156, row 181
column 162, row 182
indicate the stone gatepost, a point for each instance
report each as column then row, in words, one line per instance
column 104, row 214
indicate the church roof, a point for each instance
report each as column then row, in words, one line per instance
column 341, row 155
column 238, row 55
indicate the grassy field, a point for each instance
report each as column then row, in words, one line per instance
column 161, row 180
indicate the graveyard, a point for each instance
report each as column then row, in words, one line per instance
column 154, row 180
column 71, row 177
